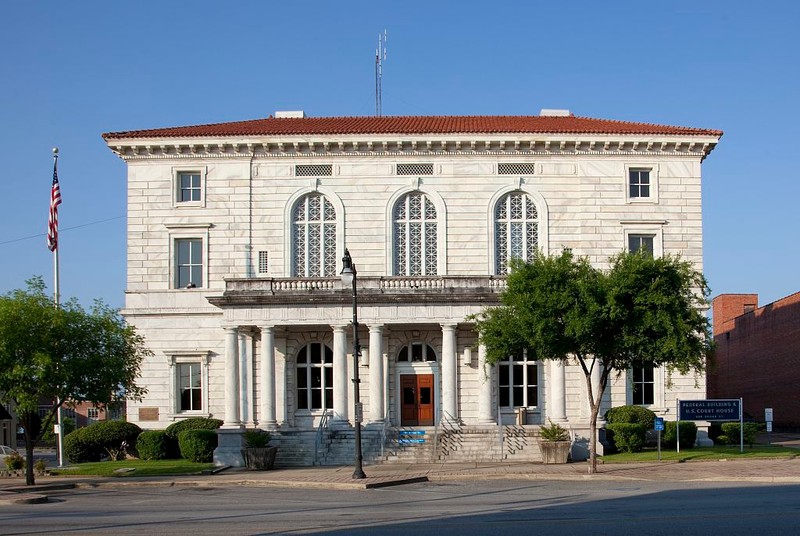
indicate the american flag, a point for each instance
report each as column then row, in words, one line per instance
column 55, row 200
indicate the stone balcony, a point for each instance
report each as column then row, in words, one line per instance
column 483, row 290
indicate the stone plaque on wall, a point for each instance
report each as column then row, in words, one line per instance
column 148, row 414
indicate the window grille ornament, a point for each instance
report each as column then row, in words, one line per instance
column 516, row 230
column 313, row 170
column 263, row 262
column 314, row 238
column 519, row 168
column 414, row 169
column 415, row 236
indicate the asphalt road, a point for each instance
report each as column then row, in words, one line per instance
column 463, row 508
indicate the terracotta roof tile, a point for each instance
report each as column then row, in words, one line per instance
column 413, row 125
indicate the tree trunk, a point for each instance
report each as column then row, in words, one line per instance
column 594, row 405
column 30, row 480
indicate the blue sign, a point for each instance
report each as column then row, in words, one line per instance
column 710, row 410
column 659, row 423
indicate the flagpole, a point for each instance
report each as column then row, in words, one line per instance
column 56, row 300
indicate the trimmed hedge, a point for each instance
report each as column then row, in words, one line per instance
column 192, row 423
column 626, row 436
column 688, row 434
column 631, row 414
column 115, row 438
column 78, row 448
column 198, row 445
column 732, row 435
column 153, row 445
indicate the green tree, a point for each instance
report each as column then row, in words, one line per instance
column 63, row 354
column 643, row 310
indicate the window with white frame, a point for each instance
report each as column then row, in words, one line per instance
column 516, row 230
column 314, row 237
column 189, row 186
column 641, row 183
column 188, row 262
column 189, row 382
column 416, row 352
column 92, row 414
column 190, row 387
column 315, row 377
column 415, row 235
column 644, row 242
column 643, row 385
column 518, row 381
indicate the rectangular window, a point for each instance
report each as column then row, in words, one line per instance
column 92, row 414
column 639, row 183
column 641, row 241
column 518, row 382
column 190, row 390
column 643, row 385
column 188, row 263
column 189, row 188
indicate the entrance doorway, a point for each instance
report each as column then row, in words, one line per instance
column 416, row 399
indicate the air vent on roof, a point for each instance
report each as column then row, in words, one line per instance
column 551, row 112
column 290, row 114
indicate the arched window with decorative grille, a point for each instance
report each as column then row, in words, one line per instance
column 415, row 235
column 314, row 237
column 516, row 230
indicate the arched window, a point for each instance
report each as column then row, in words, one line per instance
column 415, row 235
column 314, row 237
column 416, row 352
column 516, row 230
column 518, row 381
column 315, row 377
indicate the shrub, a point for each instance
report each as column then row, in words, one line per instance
column 626, row 436
column 14, row 461
column 256, row 439
column 114, row 438
column 198, row 445
column 732, row 431
column 688, row 434
column 631, row 414
column 192, row 423
column 153, row 445
column 40, row 466
column 79, row 449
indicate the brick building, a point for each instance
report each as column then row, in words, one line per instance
column 756, row 356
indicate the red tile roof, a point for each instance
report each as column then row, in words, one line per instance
column 409, row 125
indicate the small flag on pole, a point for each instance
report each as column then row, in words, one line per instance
column 55, row 200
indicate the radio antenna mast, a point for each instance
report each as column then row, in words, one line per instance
column 380, row 57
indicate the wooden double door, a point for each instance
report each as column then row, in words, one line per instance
column 416, row 399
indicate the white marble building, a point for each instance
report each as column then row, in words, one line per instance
column 236, row 234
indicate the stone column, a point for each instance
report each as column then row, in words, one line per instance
column 558, row 397
column 376, row 382
column 340, row 376
column 267, row 416
column 449, row 372
column 246, row 379
column 485, row 377
column 232, row 419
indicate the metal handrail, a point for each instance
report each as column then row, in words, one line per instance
column 384, row 432
column 323, row 424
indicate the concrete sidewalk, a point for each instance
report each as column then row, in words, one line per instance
column 771, row 470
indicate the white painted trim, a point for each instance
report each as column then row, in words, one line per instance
column 187, row 231
column 176, row 357
column 654, row 172
column 176, row 185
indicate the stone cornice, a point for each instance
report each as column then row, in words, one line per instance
column 675, row 146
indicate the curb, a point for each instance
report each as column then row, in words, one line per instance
column 22, row 498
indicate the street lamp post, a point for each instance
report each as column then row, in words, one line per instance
column 349, row 276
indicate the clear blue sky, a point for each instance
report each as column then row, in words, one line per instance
column 70, row 71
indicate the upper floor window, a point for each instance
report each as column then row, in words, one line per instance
column 641, row 241
column 643, row 385
column 516, row 230
column 518, row 381
column 416, row 352
column 638, row 183
column 415, row 235
column 189, row 186
column 314, row 237
column 188, row 262
column 315, row 377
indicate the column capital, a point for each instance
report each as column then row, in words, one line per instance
column 339, row 328
column 448, row 326
column 376, row 328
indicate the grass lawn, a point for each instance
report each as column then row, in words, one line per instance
column 140, row 468
column 703, row 454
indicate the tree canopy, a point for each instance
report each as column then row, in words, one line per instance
column 63, row 355
column 643, row 310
